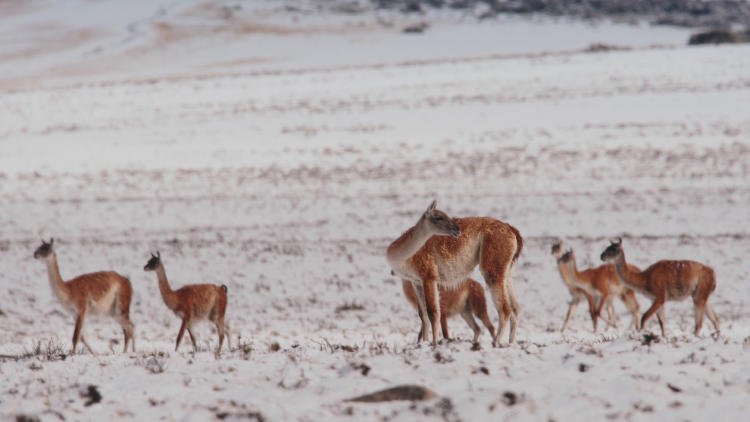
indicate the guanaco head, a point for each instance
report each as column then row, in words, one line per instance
column 45, row 250
column 566, row 257
column 439, row 222
column 153, row 263
column 557, row 249
column 613, row 251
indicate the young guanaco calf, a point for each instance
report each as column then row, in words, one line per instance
column 667, row 280
column 603, row 286
column 467, row 300
column 577, row 294
column 104, row 292
column 192, row 303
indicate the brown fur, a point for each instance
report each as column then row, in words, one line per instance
column 605, row 283
column 667, row 280
column 91, row 293
column 440, row 250
column 193, row 303
column 467, row 300
column 577, row 294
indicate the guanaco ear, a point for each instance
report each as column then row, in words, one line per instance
column 51, row 241
column 432, row 206
column 158, row 255
column 619, row 241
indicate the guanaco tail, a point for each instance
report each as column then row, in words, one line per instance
column 192, row 303
column 104, row 292
column 440, row 250
column 667, row 280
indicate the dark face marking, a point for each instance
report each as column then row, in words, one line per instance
column 152, row 263
column 566, row 256
column 612, row 251
column 43, row 251
column 556, row 248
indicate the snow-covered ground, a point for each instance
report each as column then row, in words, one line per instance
column 282, row 160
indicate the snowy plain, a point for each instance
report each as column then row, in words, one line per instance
column 280, row 152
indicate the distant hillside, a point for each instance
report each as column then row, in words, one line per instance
column 691, row 13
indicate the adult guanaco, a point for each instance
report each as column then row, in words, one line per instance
column 192, row 303
column 667, row 280
column 440, row 250
column 577, row 294
column 466, row 300
column 603, row 285
column 104, row 292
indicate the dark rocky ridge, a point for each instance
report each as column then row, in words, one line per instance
column 690, row 13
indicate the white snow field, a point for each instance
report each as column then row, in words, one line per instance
column 279, row 150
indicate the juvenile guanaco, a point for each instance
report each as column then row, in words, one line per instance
column 192, row 303
column 467, row 300
column 577, row 294
column 603, row 285
column 667, row 280
column 440, row 250
column 104, row 293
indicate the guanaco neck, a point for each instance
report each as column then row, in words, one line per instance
column 629, row 276
column 408, row 244
column 169, row 296
column 565, row 273
column 61, row 290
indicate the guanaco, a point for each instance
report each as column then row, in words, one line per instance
column 667, row 280
column 104, row 292
column 577, row 294
column 192, row 303
column 467, row 300
column 440, row 250
column 603, row 286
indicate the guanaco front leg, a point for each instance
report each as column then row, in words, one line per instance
column 432, row 303
column 611, row 314
column 421, row 327
column 468, row 316
column 183, row 326
column 444, row 325
column 192, row 338
column 602, row 302
column 632, row 304
column 78, row 326
column 422, row 309
column 658, row 302
column 571, row 308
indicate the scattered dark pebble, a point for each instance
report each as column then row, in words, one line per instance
column 92, row 395
column 510, row 398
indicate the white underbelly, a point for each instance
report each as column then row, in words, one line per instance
column 105, row 303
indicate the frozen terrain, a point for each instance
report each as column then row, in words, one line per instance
column 280, row 155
